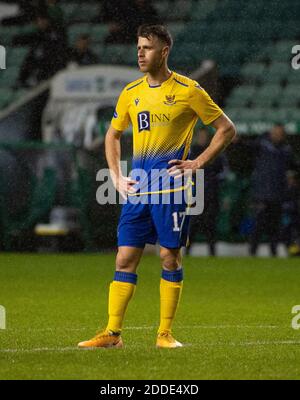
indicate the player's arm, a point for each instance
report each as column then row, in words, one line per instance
column 113, row 157
column 225, row 132
column 210, row 114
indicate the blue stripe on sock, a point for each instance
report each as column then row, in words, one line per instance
column 125, row 277
column 172, row 276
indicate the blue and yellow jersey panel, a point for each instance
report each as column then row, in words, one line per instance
column 163, row 118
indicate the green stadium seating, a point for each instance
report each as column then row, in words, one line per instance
column 240, row 96
column 72, row 11
column 251, row 114
column 295, row 114
column 6, row 96
column 267, row 95
column 293, row 91
column 99, row 32
column 288, row 101
column 41, row 202
column 175, row 28
column 202, row 9
column 88, row 11
column 179, row 10
column 78, row 29
column 130, row 55
column 293, row 77
column 162, row 7
column 290, row 96
column 7, row 33
column 275, row 115
column 16, row 55
column 277, row 72
column 253, row 71
column 9, row 76
column 233, row 113
column 114, row 54
column 29, row 28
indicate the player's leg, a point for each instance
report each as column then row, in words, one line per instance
column 170, row 288
column 134, row 231
column 171, row 223
column 123, row 286
column 134, row 228
column 121, row 291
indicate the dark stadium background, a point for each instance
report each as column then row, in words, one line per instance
column 240, row 52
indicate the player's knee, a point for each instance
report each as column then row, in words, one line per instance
column 125, row 263
column 169, row 260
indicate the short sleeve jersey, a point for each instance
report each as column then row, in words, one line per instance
column 163, row 118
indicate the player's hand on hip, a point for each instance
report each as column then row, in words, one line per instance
column 179, row 168
column 124, row 185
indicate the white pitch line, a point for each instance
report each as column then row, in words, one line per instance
column 213, row 344
column 211, row 327
column 37, row 350
column 52, row 329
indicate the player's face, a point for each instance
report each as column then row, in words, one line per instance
column 151, row 54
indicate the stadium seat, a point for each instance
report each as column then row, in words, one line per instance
column 179, row 10
column 41, row 202
column 293, row 77
column 267, row 95
column 251, row 114
column 293, row 91
column 276, row 115
column 240, row 96
column 290, row 96
column 130, row 55
column 88, row 11
column 184, row 55
column 29, row 28
column 294, row 114
column 277, row 72
column 7, row 33
column 233, row 113
column 253, row 71
column 99, row 32
column 9, row 76
column 16, row 55
column 282, row 51
column 202, row 9
column 175, row 28
column 114, row 54
column 162, row 7
column 288, row 101
column 75, row 30
column 72, row 11
column 6, row 96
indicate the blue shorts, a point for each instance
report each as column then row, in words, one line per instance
column 167, row 224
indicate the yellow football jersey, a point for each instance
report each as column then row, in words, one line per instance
column 163, row 118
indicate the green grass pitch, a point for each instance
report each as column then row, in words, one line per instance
column 234, row 319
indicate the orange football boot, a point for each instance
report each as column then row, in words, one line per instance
column 103, row 339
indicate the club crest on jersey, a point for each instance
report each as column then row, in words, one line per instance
column 170, row 100
column 137, row 100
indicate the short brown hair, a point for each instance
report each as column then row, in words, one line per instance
column 160, row 31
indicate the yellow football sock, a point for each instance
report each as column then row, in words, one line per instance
column 119, row 295
column 170, row 293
